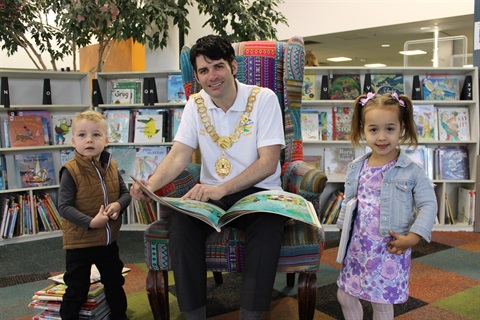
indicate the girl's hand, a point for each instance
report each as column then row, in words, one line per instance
column 113, row 210
column 100, row 220
column 400, row 243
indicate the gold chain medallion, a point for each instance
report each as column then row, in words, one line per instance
column 223, row 166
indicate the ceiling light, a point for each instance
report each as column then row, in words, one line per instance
column 468, row 66
column 385, row 45
column 375, row 65
column 425, row 28
column 339, row 59
column 412, row 52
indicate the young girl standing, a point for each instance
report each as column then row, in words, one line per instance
column 390, row 187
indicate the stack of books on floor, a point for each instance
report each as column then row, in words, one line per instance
column 49, row 299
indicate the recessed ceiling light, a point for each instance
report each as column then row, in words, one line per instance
column 386, row 45
column 412, row 52
column 339, row 59
column 375, row 65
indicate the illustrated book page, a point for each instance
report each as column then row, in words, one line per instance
column 273, row 201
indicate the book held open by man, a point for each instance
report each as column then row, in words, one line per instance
column 272, row 201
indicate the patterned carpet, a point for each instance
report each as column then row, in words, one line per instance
column 445, row 284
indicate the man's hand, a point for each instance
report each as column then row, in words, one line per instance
column 401, row 243
column 113, row 210
column 100, row 220
column 137, row 193
column 202, row 192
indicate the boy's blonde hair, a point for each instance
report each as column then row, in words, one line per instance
column 93, row 116
column 389, row 102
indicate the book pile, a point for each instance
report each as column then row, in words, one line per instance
column 49, row 299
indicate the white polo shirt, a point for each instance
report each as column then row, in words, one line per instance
column 264, row 128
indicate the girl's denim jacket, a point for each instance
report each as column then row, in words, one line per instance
column 405, row 190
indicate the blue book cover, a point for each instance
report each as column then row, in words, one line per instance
column 35, row 170
column 118, row 122
column 175, row 90
column 440, row 88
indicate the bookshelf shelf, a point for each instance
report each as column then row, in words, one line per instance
column 442, row 187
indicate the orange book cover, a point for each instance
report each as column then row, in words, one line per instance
column 26, row 131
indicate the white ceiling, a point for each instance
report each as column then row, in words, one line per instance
column 364, row 46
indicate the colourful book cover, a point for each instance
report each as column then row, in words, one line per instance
column 425, row 117
column 125, row 158
column 309, row 123
column 62, row 127
column 147, row 160
column 440, row 88
column 309, row 87
column 175, row 90
column 35, row 169
column 315, row 161
column 126, row 91
column 342, row 121
column 337, row 160
column 148, row 128
column 45, row 119
column 387, row 83
column 118, row 122
column 454, row 123
column 65, row 155
column 26, row 131
column 325, row 124
column 344, row 86
column 453, row 163
column 176, row 116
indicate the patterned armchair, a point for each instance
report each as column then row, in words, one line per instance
column 278, row 66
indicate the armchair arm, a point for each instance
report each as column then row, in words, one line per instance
column 184, row 182
column 306, row 180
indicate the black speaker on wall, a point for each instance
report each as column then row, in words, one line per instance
column 416, row 88
column 466, row 93
column 5, row 97
column 47, row 92
column 324, row 93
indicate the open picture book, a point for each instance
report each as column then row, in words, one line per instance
column 273, row 201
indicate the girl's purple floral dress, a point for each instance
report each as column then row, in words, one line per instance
column 369, row 271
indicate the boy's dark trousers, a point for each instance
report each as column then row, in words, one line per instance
column 77, row 279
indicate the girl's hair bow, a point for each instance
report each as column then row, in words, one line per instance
column 400, row 101
column 370, row 96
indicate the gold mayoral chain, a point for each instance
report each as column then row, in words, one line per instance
column 223, row 166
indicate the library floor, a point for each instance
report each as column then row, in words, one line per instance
column 445, row 281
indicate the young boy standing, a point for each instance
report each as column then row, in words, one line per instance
column 92, row 196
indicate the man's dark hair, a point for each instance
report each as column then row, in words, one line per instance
column 214, row 48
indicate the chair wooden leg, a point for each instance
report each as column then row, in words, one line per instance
column 157, row 291
column 307, row 295
column 217, row 275
column 290, row 279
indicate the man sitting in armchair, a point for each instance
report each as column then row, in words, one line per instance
column 239, row 131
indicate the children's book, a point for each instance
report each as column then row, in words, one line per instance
column 348, row 221
column 315, row 161
column 309, row 123
column 148, row 128
column 26, row 131
column 147, row 160
column 454, row 124
column 35, row 169
column 176, row 116
column 308, row 91
column 344, row 86
column 45, row 120
column 118, row 125
column 423, row 156
column 3, row 173
column 175, row 90
column 126, row 91
column 62, row 127
column 342, row 122
column 337, row 160
column 453, row 163
column 94, row 276
column 465, row 205
column 273, row 201
column 125, row 158
column 325, row 124
column 387, row 83
column 65, row 155
column 440, row 88
column 425, row 117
